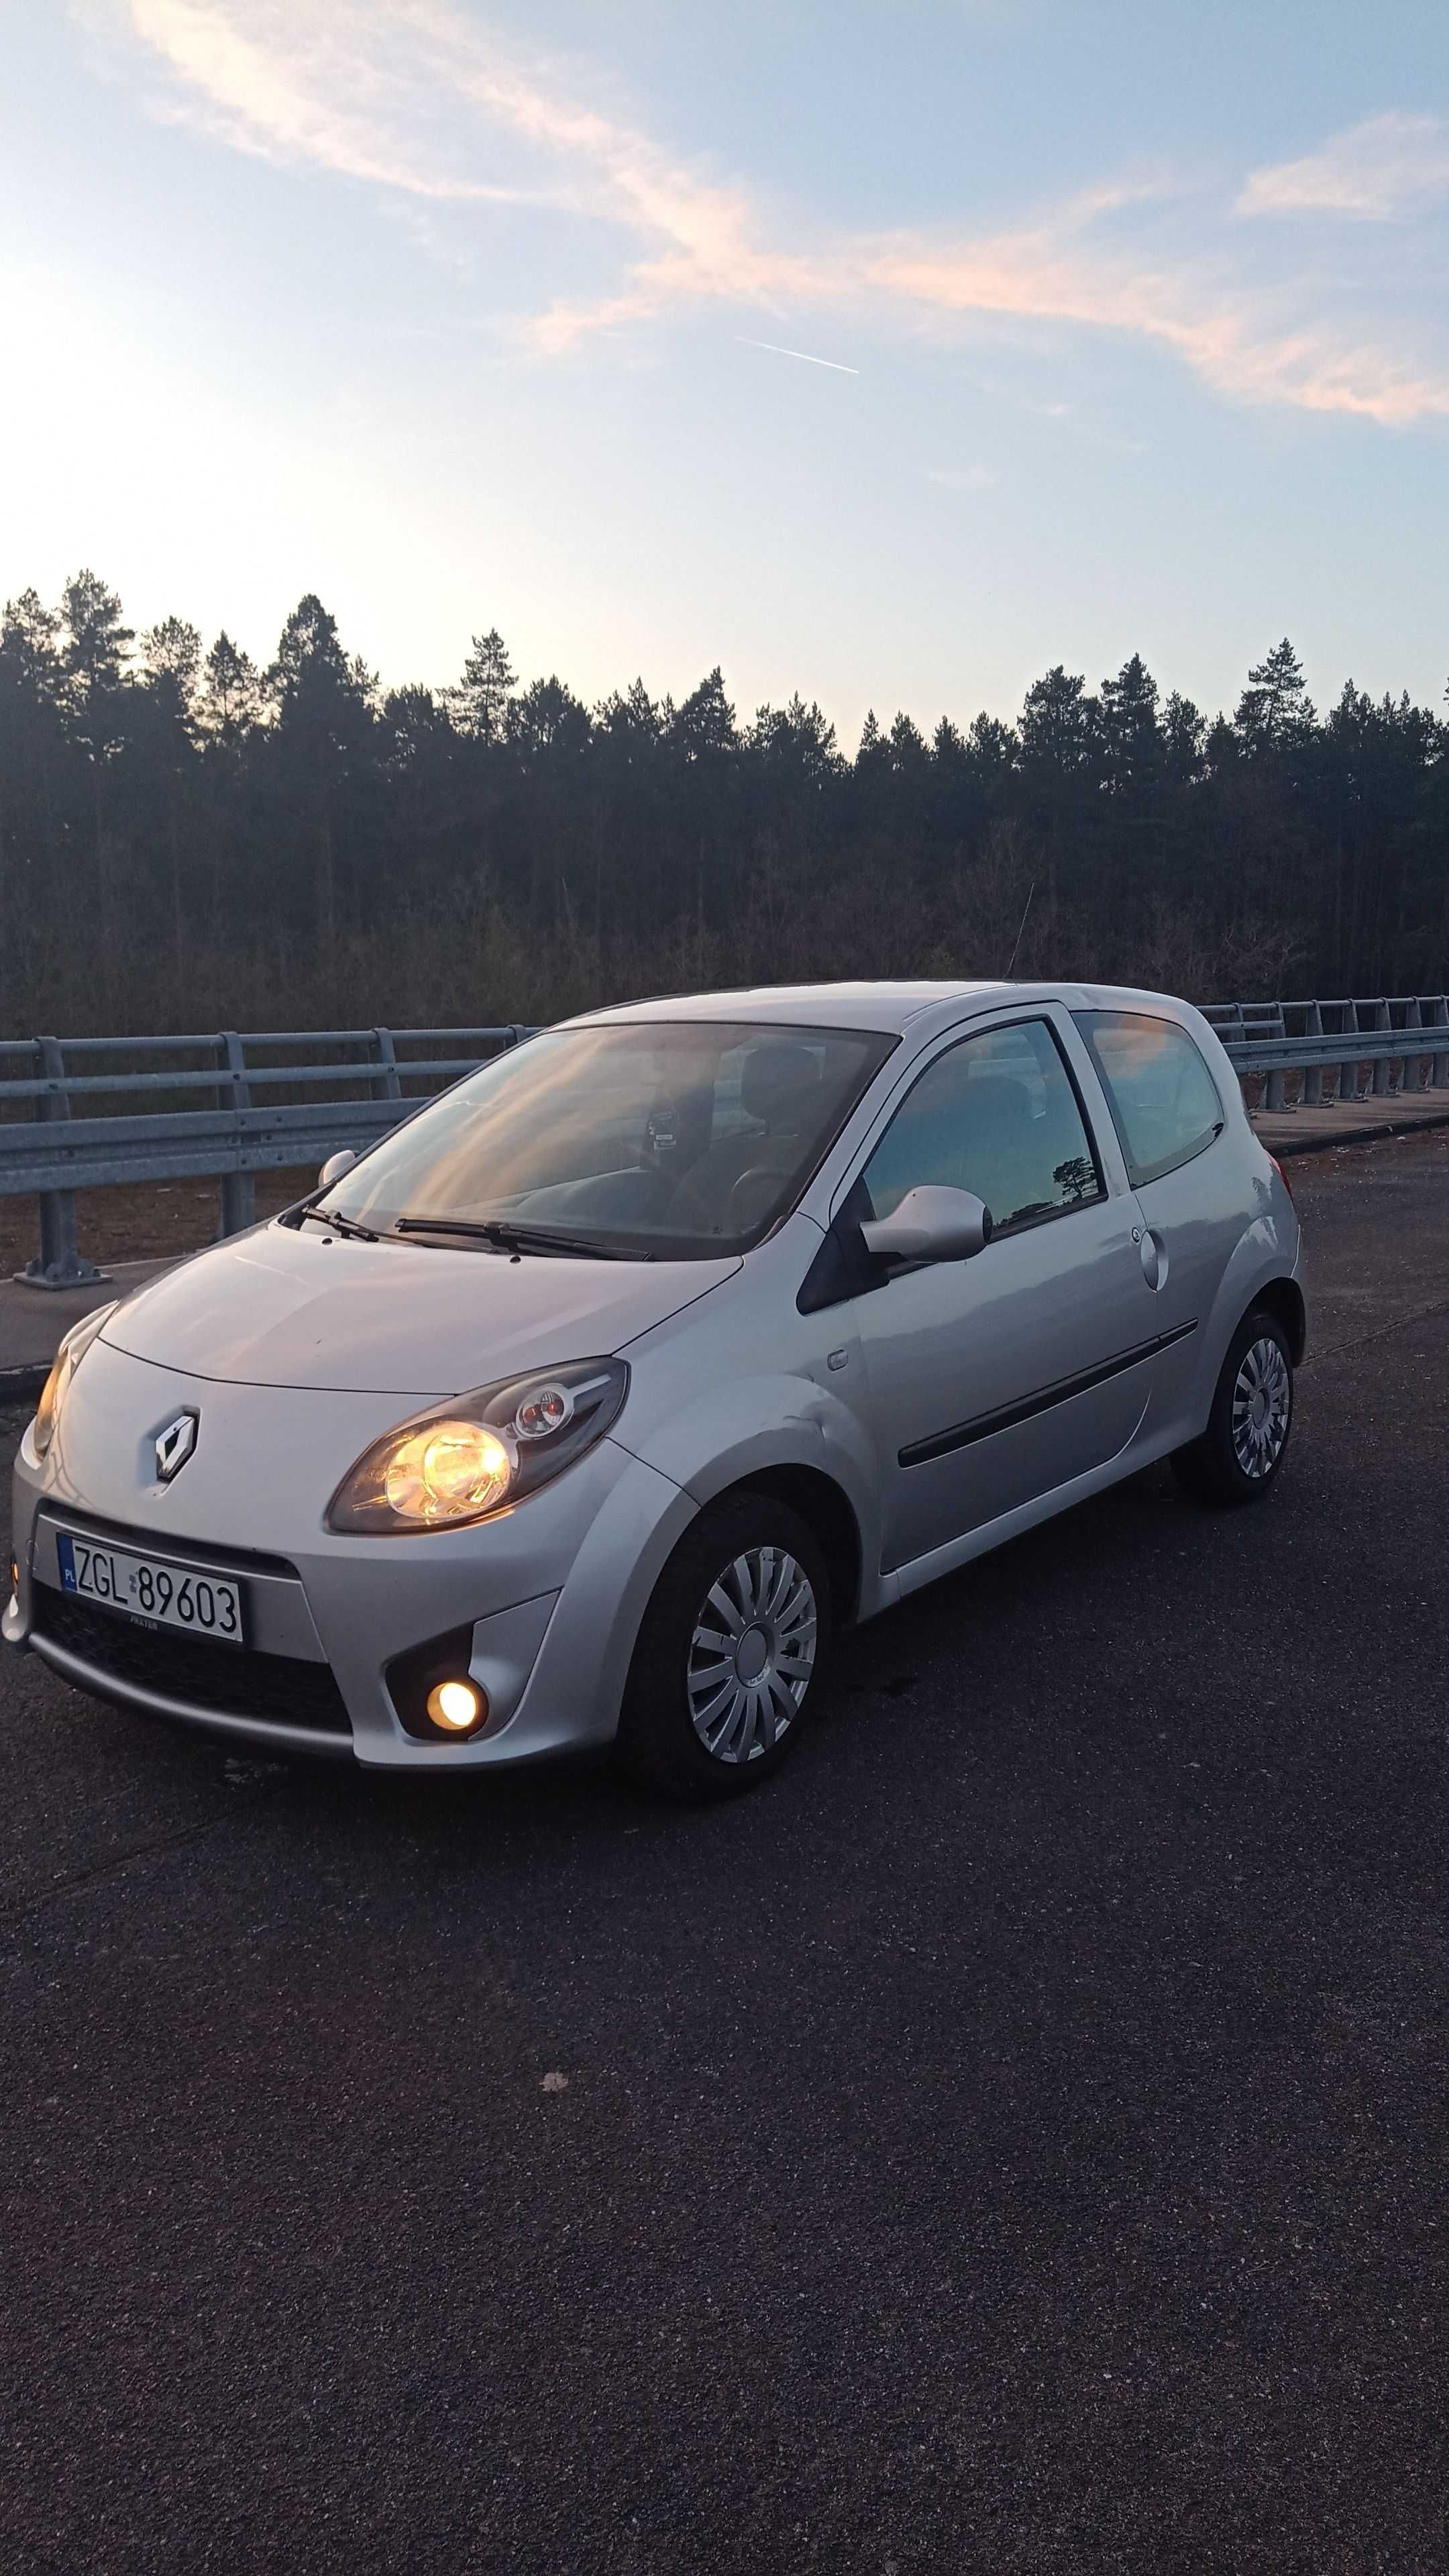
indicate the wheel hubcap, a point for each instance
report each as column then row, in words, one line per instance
column 1262, row 1404
column 752, row 1654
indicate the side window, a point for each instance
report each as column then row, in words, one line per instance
column 997, row 1115
column 1163, row 1098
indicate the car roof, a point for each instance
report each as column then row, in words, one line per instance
column 887, row 1006
column 839, row 1006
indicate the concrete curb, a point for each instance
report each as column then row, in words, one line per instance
column 1357, row 1135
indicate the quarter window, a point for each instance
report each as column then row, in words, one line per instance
column 996, row 1115
column 1162, row 1096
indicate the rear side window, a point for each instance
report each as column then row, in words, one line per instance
column 1163, row 1099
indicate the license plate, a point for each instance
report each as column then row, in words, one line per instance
column 141, row 1587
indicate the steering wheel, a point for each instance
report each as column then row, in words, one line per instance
column 742, row 1222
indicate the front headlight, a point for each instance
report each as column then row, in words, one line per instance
column 63, row 1368
column 467, row 1459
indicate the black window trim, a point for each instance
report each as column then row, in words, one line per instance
column 1142, row 1175
column 1017, row 1225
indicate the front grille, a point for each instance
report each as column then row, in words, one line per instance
column 277, row 1690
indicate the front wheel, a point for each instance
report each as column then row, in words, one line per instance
column 727, row 1653
column 1239, row 1455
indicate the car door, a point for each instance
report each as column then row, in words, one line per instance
column 995, row 1380
column 1169, row 1116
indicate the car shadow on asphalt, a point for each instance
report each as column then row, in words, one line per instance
column 903, row 1693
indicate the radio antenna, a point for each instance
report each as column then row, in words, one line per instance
column 1025, row 909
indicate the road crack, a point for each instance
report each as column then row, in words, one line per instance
column 14, row 1910
column 1380, row 1332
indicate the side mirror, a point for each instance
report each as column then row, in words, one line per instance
column 335, row 1167
column 931, row 1225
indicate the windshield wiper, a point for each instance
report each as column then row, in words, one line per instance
column 346, row 1225
column 517, row 1238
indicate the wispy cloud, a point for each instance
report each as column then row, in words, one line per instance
column 1390, row 166
column 413, row 96
column 961, row 478
column 835, row 364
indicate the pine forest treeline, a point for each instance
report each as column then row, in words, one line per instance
column 187, row 840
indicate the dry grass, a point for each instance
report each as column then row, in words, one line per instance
column 145, row 1223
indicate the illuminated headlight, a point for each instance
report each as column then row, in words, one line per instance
column 57, row 1386
column 480, row 1453
column 453, row 1471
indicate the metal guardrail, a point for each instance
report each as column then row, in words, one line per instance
column 1402, row 1042
column 57, row 1152
column 1402, row 1039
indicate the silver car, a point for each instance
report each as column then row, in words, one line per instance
column 585, row 1407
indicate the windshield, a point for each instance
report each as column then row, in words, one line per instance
column 678, row 1138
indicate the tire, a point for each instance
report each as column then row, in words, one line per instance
column 695, row 1723
column 1240, row 1455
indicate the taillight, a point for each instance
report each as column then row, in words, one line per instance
column 1282, row 1175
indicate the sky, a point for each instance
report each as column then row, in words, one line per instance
column 887, row 350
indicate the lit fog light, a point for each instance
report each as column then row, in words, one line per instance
column 459, row 1706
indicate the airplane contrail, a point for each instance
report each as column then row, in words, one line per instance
column 777, row 352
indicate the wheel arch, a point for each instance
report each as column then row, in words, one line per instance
column 1285, row 1303
column 828, row 1510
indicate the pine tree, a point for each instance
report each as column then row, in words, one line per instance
column 172, row 665
column 231, row 706
column 705, row 724
column 873, row 752
column 909, row 755
column 29, row 646
column 1275, row 711
column 481, row 701
column 94, row 655
column 1055, row 721
column 1127, row 723
column 1184, row 733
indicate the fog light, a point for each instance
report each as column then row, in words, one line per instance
column 459, row 1706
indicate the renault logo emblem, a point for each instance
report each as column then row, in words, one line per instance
column 175, row 1444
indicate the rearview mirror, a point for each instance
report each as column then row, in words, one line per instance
column 335, row 1166
column 931, row 1225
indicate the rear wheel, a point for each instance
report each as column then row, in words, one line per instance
column 1239, row 1455
column 727, row 1653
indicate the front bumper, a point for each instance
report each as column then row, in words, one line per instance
column 550, row 1593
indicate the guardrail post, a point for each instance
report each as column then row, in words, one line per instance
column 1348, row 1070
column 1275, row 1096
column 1439, row 1019
column 60, row 1264
column 1313, row 1073
column 238, row 1189
column 385, row 1084
column 1383, row 1021
column 1413, row 1064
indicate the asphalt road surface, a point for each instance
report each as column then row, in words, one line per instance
column 1014, row 2140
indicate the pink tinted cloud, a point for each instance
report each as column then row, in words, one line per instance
column 1389, row 166
column 413, row 96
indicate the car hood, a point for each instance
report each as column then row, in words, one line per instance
column 290, row 1306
